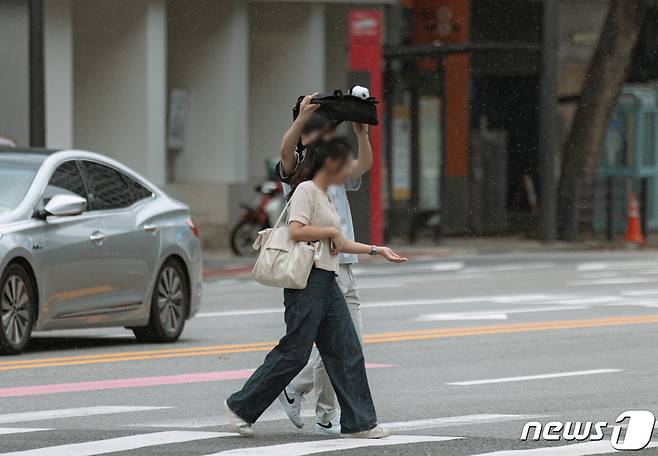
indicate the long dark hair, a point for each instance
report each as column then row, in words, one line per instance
column 315, row 156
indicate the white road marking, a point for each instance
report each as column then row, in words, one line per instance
column 610, row 281
column 325, row 446
column 462, row 316
column 237, row 313
column 639, row 292
column 502, row 299
column 443, row 267
column 456, row 421
column 632, row 265
column 559, row 299
column 592, row 266
column 621, row 265
column 498, row 314
column 127, row 443
column 536, row 377
column 427, row 267
column 508, row 267
column 578, row 449
column 7, row 431
column 378, row 285
column 587, row 300
column 211, row 421
column 22, row 417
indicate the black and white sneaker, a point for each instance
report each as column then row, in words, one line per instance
column 330, row 428
column 291, row 401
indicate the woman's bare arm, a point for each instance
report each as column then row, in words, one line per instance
column 347, row 246
column 364, row 161
column 291, row 137
column 306, row 233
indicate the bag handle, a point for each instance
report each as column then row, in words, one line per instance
column 276, row 224
column 316, row 245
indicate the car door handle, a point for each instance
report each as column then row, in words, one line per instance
column 151, row 228
column 97, row 237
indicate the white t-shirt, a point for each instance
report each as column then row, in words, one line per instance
column 339, row 198
column 311, row 206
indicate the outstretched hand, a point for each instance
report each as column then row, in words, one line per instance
column 390, row 255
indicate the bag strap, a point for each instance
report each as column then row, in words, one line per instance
column 276, row 224
column 318, row 246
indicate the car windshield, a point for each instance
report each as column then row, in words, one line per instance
column 15, row 178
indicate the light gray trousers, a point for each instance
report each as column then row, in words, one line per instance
column 314, row 376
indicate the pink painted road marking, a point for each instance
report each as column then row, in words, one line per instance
column 138, row 382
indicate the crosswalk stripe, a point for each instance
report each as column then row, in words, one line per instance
column 325, row 446
column 494, row 314
column 7, row 431
column 71, row 413
column 127, row 443
column 535, row 377
column 455, row 421
column 431, row 423
column 578, row 449
column 610, row 281
column 210, row 421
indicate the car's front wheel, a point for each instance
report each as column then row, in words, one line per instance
column 170, row 305
column 17, row 307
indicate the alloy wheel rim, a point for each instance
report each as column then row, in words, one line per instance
column 170, row 299
column 14, row 310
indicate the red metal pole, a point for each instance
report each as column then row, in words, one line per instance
column 365, row 55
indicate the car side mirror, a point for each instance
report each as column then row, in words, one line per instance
column 65, row 206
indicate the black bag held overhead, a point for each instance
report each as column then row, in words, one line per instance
column 340, row 107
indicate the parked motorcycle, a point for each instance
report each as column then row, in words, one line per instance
column 256, row 217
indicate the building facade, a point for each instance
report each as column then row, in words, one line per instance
column 194, row 94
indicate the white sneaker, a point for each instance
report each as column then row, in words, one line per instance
column 238, row 424
column 377, row 432
column 330, row 428
column 291, row 401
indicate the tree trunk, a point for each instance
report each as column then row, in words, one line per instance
column 604, row 80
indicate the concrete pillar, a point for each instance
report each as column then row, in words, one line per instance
column 287, row 59
column 120, row 72
column 156, row 90
column 14, row 80
column 208, row 57
column 58, row 63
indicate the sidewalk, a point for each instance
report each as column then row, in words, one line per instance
column 222, row 263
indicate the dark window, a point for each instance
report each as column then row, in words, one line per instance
column 138, row 191
column 107, row 189
column 66, row 180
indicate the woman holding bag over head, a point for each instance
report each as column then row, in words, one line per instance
column 318, row 313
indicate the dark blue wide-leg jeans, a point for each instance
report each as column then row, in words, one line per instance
column 317, row 314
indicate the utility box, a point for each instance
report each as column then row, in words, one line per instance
column 488, row 182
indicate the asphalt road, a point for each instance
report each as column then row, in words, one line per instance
column 462, row 351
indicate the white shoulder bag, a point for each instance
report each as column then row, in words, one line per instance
column 282, row 262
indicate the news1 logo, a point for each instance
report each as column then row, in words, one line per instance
column 637, row 435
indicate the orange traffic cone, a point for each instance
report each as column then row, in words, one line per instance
column 633, row 229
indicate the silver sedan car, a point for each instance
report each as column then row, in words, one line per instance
column 86, row 242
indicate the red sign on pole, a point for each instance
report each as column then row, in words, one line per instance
column 365, row 55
